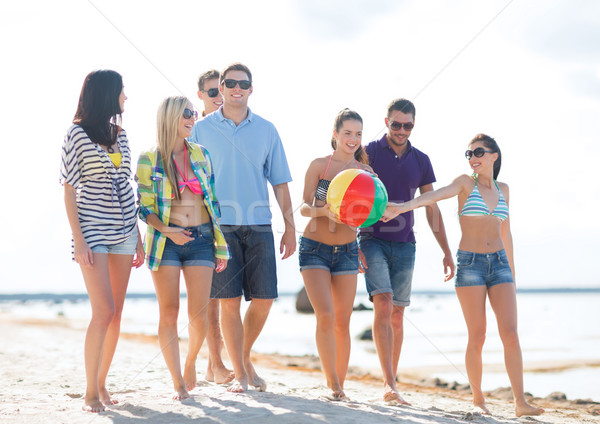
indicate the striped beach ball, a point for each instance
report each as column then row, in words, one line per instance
column 358, row 198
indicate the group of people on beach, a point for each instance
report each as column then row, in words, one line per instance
column 202, row 190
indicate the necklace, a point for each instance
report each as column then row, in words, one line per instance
column 110, row 149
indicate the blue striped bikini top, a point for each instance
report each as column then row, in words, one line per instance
column 475, row 205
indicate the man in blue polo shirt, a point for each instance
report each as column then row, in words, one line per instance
column 246, row 153
column 389, row 248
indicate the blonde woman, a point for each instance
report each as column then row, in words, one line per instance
column 177, row 200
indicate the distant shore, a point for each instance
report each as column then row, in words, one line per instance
column 41, row 363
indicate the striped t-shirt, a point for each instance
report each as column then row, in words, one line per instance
column 105, row 199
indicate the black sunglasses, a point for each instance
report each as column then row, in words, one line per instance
column 478, row 152
column 231, row 83
column 187, row 114
column 396, row 126
column 212, row 92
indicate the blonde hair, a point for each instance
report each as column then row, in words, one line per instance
column 168, row 117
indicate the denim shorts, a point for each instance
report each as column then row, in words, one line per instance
column 389, row 267
column 198, row 252
column 338, row 260
column 482, row 269
column 251, row 271
column 126, row 247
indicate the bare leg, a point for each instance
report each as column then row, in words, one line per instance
column 343, row 289
column 119, row 268
column 166, row 283
column 504, row 302
column 216, row 370
column 319, row 290
column 472, row 301
column 233, row 333
column 198, row 280
column 97, row 282
column 383, row 335
column 254, row 321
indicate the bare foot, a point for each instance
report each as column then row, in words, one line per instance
column 93, row 405
column 181, row 394
column 481, row 408
column 254, row 379
column 106, row 399
column 189, row 375
column 527, row 409
column 238, row 386
column 392, row 397
column 336, row 396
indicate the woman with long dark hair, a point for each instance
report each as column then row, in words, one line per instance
column 177, row 200
column 329, row 251
column 100, row 204
column 485, row 264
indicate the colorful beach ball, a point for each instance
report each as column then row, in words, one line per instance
column 357, row 197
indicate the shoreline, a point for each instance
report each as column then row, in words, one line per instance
column 42, row 368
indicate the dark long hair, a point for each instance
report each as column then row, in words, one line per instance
column 99, row 111
column 346, row 114
column 492, row 145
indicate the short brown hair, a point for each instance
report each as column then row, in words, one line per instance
column 401, row 105
column 208, row 75
column 236, row 67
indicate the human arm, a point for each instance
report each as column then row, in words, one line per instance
column 425, row 199
column 436, row 223
column 287, row 245
column 311, row 181
column 81, row 251
column 138, row 259
column 506, row 235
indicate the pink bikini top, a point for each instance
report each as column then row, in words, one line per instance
column 193, row 184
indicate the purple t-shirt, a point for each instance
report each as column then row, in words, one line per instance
column 402, row 176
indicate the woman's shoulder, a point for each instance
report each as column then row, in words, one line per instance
column 503, row 187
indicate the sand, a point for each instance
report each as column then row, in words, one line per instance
column 42, row 381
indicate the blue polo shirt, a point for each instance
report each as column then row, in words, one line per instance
column 244, row 158
column 402, row 176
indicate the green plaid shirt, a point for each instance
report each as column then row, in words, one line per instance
column 155, row 195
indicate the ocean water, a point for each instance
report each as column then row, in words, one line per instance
column 559, row 332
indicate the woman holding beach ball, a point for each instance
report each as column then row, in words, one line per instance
column 100, row 204
column 329, row 252
column 177, row 200
column 485, row 264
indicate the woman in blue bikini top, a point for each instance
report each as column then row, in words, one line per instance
column 485, row 248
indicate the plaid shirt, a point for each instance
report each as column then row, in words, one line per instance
column 155, row 195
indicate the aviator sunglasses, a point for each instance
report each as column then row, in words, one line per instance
column 212, row 92
column 478, row 152
column 231, row 83
column 396, row 126
column 187, row 114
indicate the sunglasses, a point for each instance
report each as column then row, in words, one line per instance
column 396, row 126
column 187, row 114
column 212, row 92
column 478, row 152
column 231, row 83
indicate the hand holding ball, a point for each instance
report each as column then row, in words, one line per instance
column 357, row 197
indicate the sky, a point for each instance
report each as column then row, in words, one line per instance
column 523, row 71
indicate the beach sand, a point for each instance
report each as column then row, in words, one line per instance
column 42, row 381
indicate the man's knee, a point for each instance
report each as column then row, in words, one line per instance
column 397, row 319
column 383, row 305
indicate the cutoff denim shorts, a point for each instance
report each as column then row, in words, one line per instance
column 390, row 267
column 251, row 271
column 482, row 269
column 198, row 252
column 126, row 247
column 338, row 260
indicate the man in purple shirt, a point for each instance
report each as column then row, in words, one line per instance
column 388, row 249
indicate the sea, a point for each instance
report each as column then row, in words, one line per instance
column 559, row 332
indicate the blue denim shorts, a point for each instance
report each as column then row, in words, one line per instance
column 390, row 267
column 126, row 247
column 198, row 252
column 338, row 260
column 482, row 269
column 251, row 271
